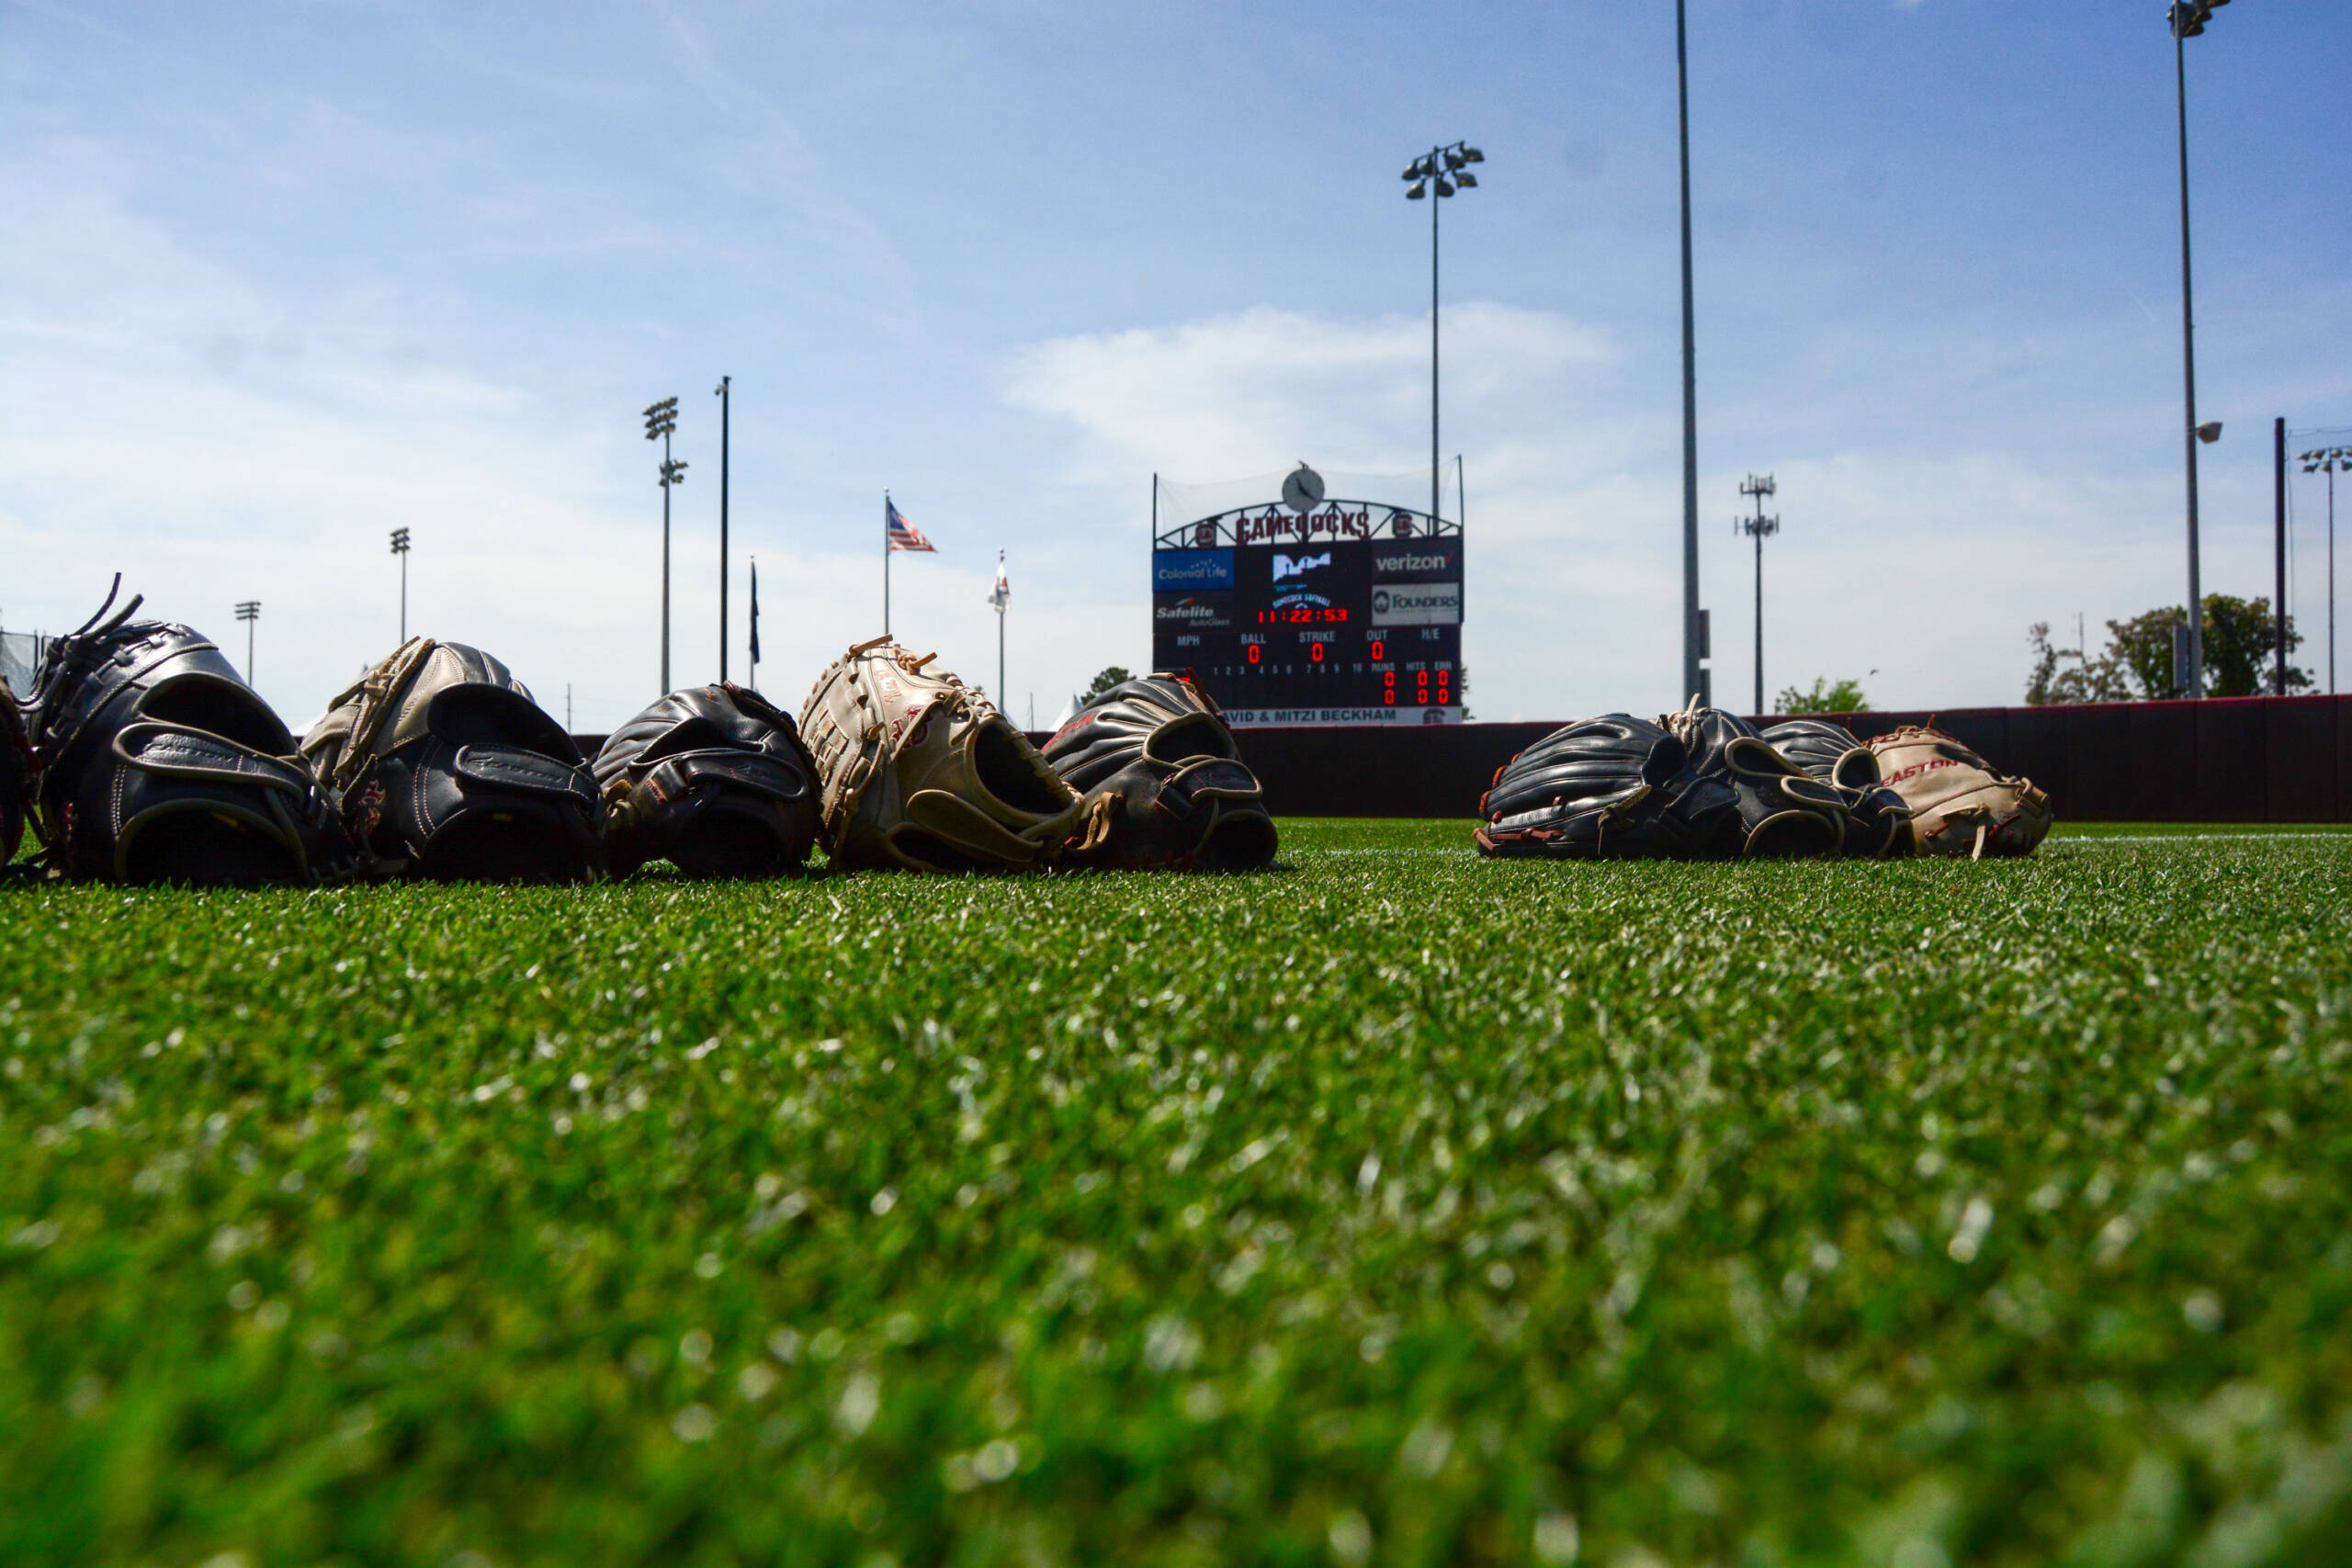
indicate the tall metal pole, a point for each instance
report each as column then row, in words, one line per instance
column 1758, row 708
column 2195, row 684
column 661, row 420
column 665, row 563
column 2279, row 500
column 725, row 406
column 1436, row 162
column 886, row 563
column 1757, row 527
column 1694, row 678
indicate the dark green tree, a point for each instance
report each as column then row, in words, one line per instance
column 2065, row 675
column 2240, row 644
column 1110, row 676
column 1843, row 696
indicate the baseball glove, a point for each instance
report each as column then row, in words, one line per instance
column 1783, row 812
column 713, row 780
column 158, row 763
column 442, row 767
column 1614, row 787
column 1878, row 825
column 919, row 770
column 15, row 773
column 1164, row 783
column 1961, row 804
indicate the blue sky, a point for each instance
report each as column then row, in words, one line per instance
column 279, row 278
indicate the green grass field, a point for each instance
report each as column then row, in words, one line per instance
column 1394, row 1207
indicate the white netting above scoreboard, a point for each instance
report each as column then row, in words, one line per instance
column 1179, row 502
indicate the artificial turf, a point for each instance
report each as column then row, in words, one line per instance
column 1392, row 1207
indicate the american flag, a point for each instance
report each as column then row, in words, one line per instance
column 1001, row 594
column 903, row 534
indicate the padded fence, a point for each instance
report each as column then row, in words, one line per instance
column 2221, row 760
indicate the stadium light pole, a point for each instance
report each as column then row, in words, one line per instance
column 1443, row 170
column 1758, row 528
column 726, row 407
column 249, row 611
column 1694, row 626
column 661, row 423
column 400, row 548
column 2330, row 461
column 2188, row 19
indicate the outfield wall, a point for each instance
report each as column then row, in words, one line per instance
column 2222, row 759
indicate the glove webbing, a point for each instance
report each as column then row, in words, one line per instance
column 376, row 691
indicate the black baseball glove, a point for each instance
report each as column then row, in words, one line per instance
column 712, row 779
column 443, row 767
column 1784, row 813
column 158, row 763
column 1614, row 787
column 15, row 774
column 1878, row 824
column 1163, row 780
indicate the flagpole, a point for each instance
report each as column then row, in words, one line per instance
column 886, row 563
column 1001, row 596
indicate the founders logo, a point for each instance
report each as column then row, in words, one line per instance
column 1417, row 604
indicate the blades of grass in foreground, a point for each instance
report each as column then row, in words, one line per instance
column 1392, row 1207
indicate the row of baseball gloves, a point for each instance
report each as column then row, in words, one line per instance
column 1707, row 785
column 140, row 756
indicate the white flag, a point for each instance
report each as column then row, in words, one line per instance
column 1001, row 594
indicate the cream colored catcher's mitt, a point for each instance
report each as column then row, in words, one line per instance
column 1961, row 804
column 919, row 770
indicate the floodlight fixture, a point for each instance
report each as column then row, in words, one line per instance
column 400, row 548
column 2210, row 431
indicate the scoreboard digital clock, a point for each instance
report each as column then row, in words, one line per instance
column 1348, row 612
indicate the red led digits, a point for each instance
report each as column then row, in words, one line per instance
column 1315, row 652
column 1253, row 653
column 1379, row 650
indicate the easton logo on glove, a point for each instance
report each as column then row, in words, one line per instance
column 1961, row 804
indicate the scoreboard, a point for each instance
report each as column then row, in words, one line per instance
column 1349, row 613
